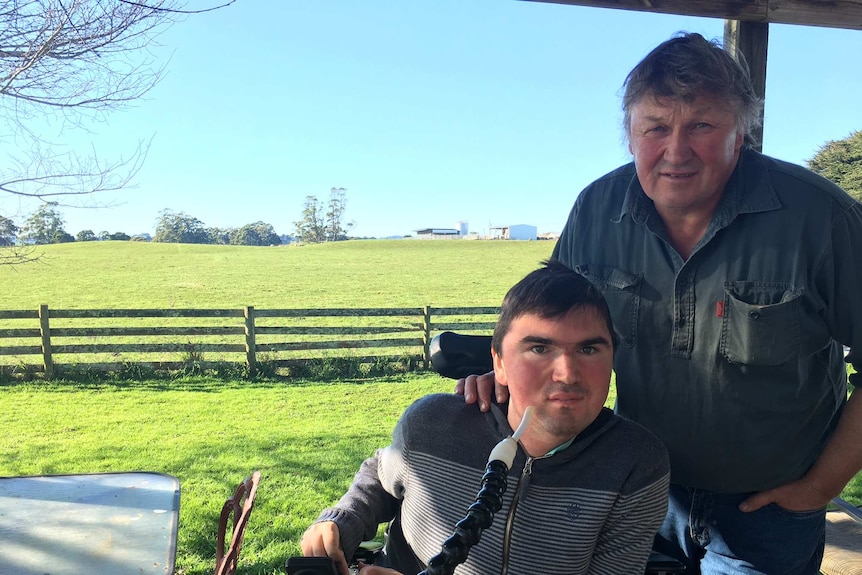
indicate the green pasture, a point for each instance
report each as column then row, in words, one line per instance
column 356, row 274
column 371, row 273
column 306, row 438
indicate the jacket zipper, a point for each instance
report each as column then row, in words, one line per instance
column 520, row 493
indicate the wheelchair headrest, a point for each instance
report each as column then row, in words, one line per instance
column 456, row 355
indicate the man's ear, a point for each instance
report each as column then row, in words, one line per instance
column 499, row 368
column 740, row 139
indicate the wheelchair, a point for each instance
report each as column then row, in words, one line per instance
column 456, row 356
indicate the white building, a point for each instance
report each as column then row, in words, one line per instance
column 516, row 232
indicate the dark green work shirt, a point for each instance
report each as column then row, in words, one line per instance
column 733, row 358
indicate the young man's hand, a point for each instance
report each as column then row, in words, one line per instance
column 323, row 540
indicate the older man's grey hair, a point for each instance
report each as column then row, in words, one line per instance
column 688, row 66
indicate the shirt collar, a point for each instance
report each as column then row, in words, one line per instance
column 560, row 447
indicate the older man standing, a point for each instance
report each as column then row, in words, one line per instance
column 733, row 279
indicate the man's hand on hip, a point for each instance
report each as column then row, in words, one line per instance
column 799, row 495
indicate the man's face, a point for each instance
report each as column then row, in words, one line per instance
column 561, row 367
column 684, row 152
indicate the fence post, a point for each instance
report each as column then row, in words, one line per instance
column 250, row 359
column 426, row 337
column 45, row 330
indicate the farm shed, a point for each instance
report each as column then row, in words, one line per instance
column 438, row 233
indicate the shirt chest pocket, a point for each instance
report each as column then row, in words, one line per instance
column 760, row 325
column 622, row 292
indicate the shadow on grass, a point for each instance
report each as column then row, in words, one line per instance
column 200, row 383
column 218, row 376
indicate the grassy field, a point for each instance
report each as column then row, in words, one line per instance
column 308, row 439
column 355, row 274
column 373, row 273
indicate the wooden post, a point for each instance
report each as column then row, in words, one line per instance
column 250, row 358
column 45, row 330
column 749, row 41
column 426, row 337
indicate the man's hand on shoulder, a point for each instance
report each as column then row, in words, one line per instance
column 478, row 388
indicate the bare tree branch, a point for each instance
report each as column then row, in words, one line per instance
column 45, row 176
column 184, row 11
column 16, row 255
column 89, row 54
column 81, row 59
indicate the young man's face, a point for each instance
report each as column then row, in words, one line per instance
column 561, row 367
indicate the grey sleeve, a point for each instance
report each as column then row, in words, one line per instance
column 363, row 508
column 376, row 493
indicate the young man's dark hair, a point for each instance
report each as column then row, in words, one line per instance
column 550, row 292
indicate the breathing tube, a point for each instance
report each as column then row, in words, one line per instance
column 481, row 513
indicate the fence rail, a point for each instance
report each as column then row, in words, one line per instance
column 110, row 339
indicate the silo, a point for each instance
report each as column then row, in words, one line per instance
column 462, row 228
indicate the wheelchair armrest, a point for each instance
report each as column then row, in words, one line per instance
column 659, row 564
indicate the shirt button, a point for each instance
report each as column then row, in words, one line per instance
column 754, row 314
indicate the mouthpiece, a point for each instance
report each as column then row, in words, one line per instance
column 505, row 450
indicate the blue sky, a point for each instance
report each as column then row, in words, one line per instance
column 495, row 112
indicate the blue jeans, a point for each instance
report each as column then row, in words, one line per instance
column 707, row 532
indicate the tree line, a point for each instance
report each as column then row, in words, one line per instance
column 319, row 223
column 46, row 226
column 181, row 228
column 323, row 223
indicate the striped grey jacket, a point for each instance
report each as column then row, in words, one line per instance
column 591, row 508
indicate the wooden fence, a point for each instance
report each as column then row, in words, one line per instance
column 112, row 339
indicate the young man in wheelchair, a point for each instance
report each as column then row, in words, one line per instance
column 587, row 490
